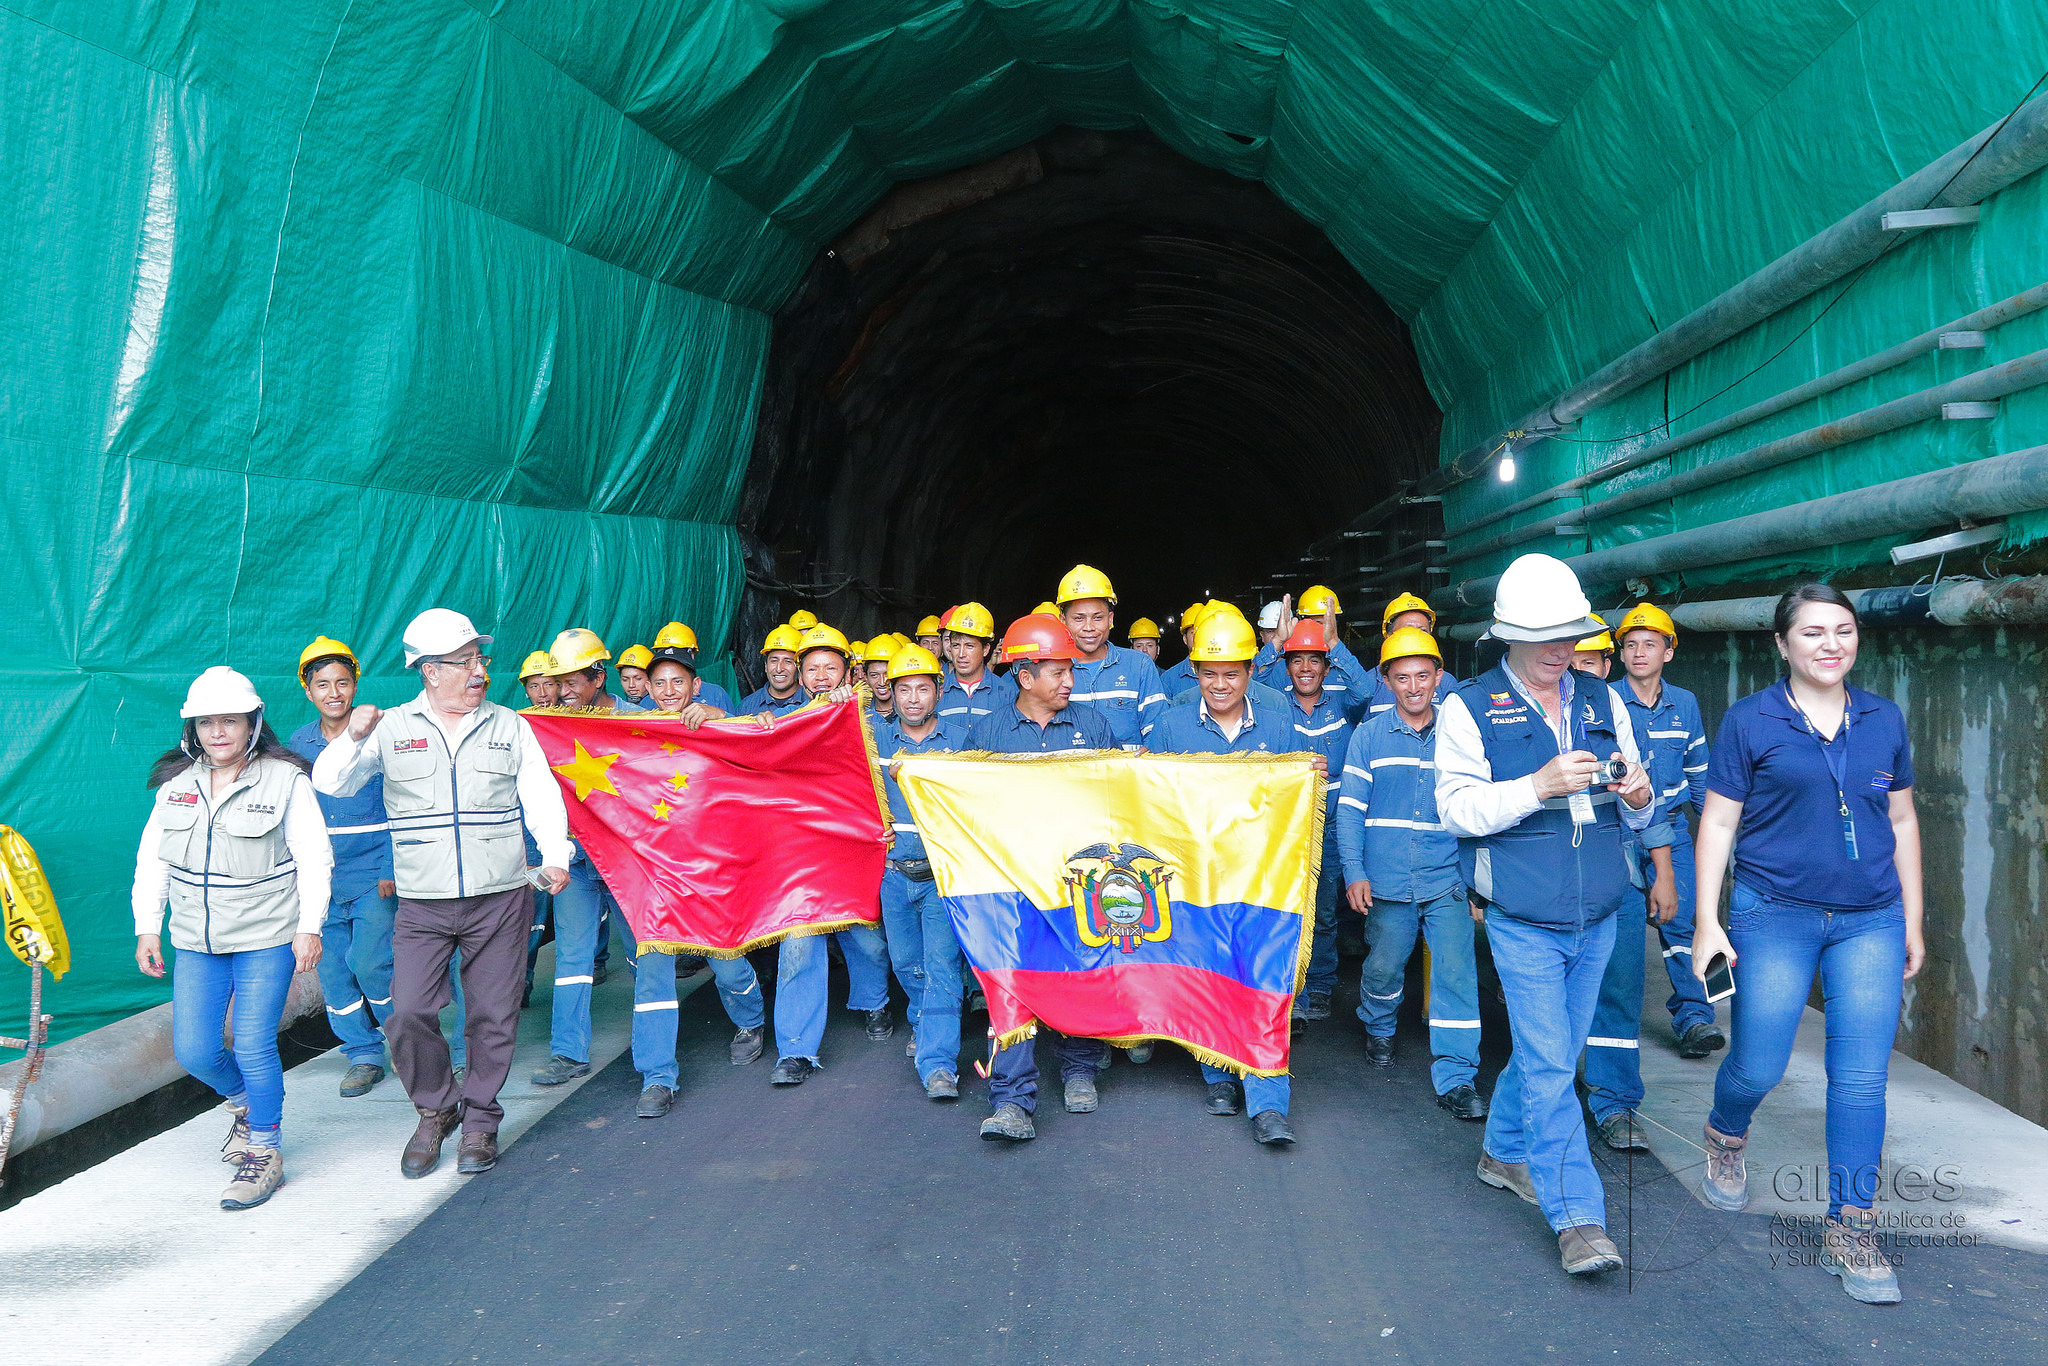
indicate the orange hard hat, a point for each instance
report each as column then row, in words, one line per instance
column 1307, row 638
column 1039, row 636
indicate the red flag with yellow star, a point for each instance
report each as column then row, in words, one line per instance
column 722, row 839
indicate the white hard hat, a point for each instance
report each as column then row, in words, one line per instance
column 1269, row 617
column 220, row 691
column 1538, row 600
column 439, row 631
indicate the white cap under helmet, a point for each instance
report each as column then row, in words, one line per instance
column 439, row 631
column 1538, row 600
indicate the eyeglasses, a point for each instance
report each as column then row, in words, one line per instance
column 466, row 662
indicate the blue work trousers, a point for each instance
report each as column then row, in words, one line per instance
column 1260, row 1093
column 903, row 906
column 802, row 974
column 1445, row 924
column 1013, row 1074
column 1551, row 976
column 655, row 1015
column 1322, row 957
column 1861, row 959
column 578, row 912
column 355, row 973
column 1614, row 1073
column 940, row 974
column 256, row 981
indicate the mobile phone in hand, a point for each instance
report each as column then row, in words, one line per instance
column 539, row 878
column 1720, row 978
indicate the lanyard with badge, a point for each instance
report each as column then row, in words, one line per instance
column 1836, row 753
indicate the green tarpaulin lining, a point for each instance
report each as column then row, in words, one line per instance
column 324, row 314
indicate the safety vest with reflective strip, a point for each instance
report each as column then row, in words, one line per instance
column 234, row 886
column 456, row 822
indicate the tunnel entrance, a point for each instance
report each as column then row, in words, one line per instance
column 1090, row 348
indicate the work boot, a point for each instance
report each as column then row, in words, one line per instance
column 560, row 1070
column 746, row 1045
column 881, row 1023
column 1312, row 1007
column 1506, row 1176
column 1270, row 1126
column 1853, row 1249
column 910, row 1045
column 423, row 1149
column 1464, row 1101
column 1009, row 1121
column 258, row 1174
column 1379, row 1051
column 1586, row 1248
column 943, row 1086
column 1222, row 1098
column 1700, row 1040
column 359, row 1078
column 238, row 1134
column 1140, row 1053
column 655, row 1102
column 1726, row 1184
column 476, row 1154
column 1623, row 1134
column 792, row 1072
column 1081, row 1098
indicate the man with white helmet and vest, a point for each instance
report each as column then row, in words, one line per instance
column 1407, row 613
column 970, row 690
column 1116, row 680
column 461, row 774
column 1537, row 773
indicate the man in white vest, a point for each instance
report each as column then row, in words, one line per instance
column 461, row 776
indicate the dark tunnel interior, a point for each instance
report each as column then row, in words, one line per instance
column 1089, row 349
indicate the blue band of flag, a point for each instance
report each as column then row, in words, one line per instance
column 1254, row 945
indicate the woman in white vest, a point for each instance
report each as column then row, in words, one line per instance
column 236, row 845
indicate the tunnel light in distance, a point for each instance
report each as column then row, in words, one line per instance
column 1506, row 468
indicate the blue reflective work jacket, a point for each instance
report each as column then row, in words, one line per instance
column 1124, row 686
column 1673, row 742
column 1388, row 829
column 890, row 743
column 1349, row 683
column 356, row 826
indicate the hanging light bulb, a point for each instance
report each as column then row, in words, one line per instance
column 1507, row 469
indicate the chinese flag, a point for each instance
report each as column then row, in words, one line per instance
column 719, row 840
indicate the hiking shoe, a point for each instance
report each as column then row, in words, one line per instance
column 559, row 1070
column 1009, row 1121
column 1726, row 1184
column 792, row 1072
column 1852, row 1248
column 1379, row 1051
column 476, row 1154
column 1623, row 1134
column 881, row 1023
column 238, row 1134
column 1463, row 1101
column 655, row 1102
column 1311, row 1007
column 1140, row 1053
column 746, row 1045
column 1222, row 1098
column 1270, row 1126
column 258, row 1174
column 358, row 1080
column 1586, row 1248
column 1081, row 1099
column 1700, row 1040
column 1506, row 1176
column 943, row 1086
column 910, row 1045
column 423, row 1150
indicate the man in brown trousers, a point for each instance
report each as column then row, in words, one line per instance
column 460, row 776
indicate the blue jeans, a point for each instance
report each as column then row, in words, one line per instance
column 1322, row 956
column 654, row 1010
column 257, row 981
column 578, row 910
column 1552, row 979
column 915, row 914
column 355, row 973
column 1013, row 1074
column 1861, row 959
column 903, row 916
column 1260, row 1093
column 1445, row 923
column 803, row 970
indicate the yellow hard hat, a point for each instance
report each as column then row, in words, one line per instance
column 1602, row 642
column 1314, row 601
column 970, row 619
column 1082, row 581
column 782, row 638
column 1647, row 617
column 1223, row 637
column 858, row 649
column 327, row 647
column 576, row 649
column 928, row 627
column 901, row 639
column 880, row 650
column 1407, row 602
column 538, row 663
column 1407, row 642
column 674, row 636
column 1218, row 605
column 823, row 637
column 803, row 620
column 1045, row 609
column 913, row 659
column 635, row 657
column 1144, row 628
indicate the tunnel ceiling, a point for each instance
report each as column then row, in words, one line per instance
column 1088, row 348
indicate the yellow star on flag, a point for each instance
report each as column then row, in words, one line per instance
column 661, row 811
column 587, row 772
column 680, row 781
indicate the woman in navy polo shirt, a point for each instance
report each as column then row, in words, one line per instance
column 1815, row 779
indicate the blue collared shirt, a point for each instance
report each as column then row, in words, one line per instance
column 1078, row 726
column 356, row 826
column 991, row 694
column 1258, row 692
column 1124, row 686
column 1177, row 680
column 1324, row 729
column 1672, row 739
column 711, row 695
column 891, row 742
column 1191, row 730
column 1383, row 696
column 759, row 700
column 1349, row 683
column 1388, row 830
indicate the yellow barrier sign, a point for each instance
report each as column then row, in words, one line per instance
column 34, row 930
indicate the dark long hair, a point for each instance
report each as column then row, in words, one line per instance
column 1789, row 605
column 180, row 756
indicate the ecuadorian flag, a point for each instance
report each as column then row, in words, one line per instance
column 1127, row 897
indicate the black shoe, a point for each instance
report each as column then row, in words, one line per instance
column 943, row 1086
column 359, row 1079
column 1700, row 1040
column 1623, row 1134
column 881, row 1024
column 1312, row 1007
column 690, row 964
column 1270, row 1126
column 598, row 974
column 1008, row 1122
column 655, row 1102
column 1379, row 1051
column 559, row 1070
column 1222, row 1098
column 1140, row 1052
column 746, row 1045
column 1464, row 1102
column 977, row 1004
column 791, row 1072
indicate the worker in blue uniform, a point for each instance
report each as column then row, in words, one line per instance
column 1407, row 612
column 1116, row 680
column 1322, row 726
column 969, row 690
column 1347, row 683
column 1180, row 676
column 783, row 692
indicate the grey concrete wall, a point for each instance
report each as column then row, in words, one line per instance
column 1973, row 699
